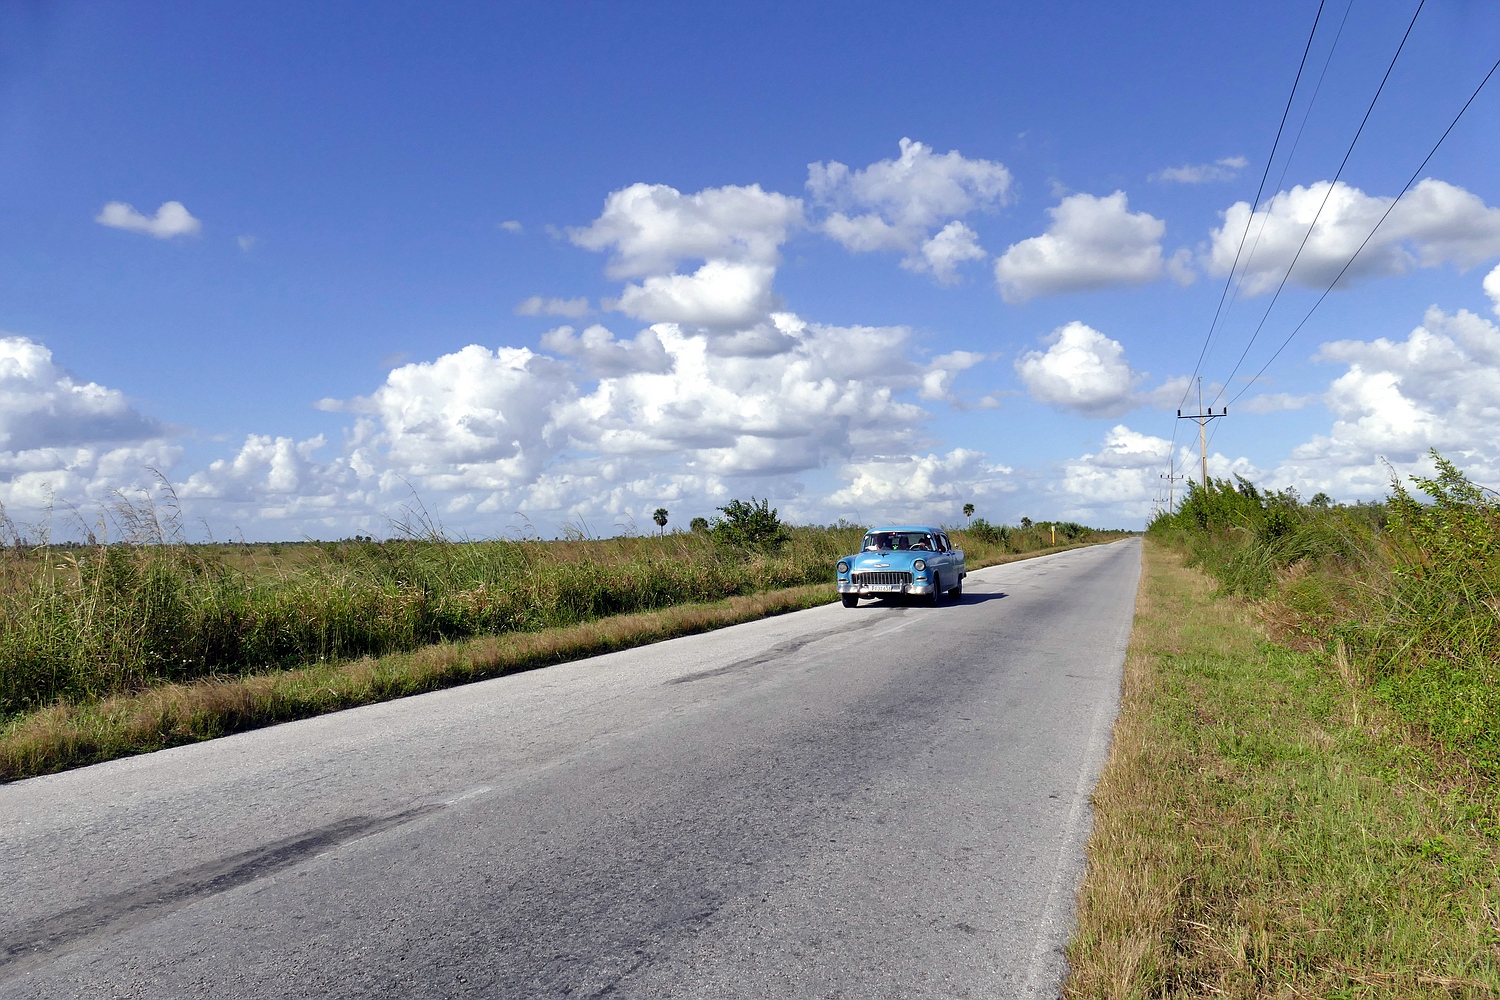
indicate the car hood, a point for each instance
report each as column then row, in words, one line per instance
column 897, row 561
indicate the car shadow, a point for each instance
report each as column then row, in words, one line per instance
column 908, row 602
column 970, row 597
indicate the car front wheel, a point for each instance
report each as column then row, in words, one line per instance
column 850, row 600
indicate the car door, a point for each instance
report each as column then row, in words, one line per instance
column 942, row 560
column 955, row 564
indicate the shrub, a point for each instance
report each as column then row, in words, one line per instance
column 985, row 531
column 752, row 525
column 1406, row 589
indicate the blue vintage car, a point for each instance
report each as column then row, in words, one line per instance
column 917, row 560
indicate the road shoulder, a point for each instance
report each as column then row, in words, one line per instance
column 1265, row 826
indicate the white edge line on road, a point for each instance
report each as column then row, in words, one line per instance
column 894, row 628
column 469, row 794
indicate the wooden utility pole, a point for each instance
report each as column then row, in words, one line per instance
column 1172, row 479
column 1203, row 419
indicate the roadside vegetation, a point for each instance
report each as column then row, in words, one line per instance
column 1407, row 591
column 1300, row 798
column 107, row 649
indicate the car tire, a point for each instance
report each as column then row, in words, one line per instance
column 931, row 600
column 850, row 600
column 957, row 592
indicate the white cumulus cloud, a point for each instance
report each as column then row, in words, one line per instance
column 66, row 438
column 539, row 306
column 1081, row 369
column 1226, row 169
column 603, row 356
column 1434, row 223
column 896, row 205
column 721, row 293
column 1492, row 288
column 484, row 432
column 650, row 227
column 919, row 486
column 1092, row 243
column 1123, row 478
column 1438, row 388
column 42, row 406
column 953, row 244
column 735, row 231
column 171, row 219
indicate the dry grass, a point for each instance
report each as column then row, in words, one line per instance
column 1265, row 827
column 73, row 735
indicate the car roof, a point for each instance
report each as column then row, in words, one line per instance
column 906, row 527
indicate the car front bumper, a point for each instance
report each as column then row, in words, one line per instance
column 876, row 590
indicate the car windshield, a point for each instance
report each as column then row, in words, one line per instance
column 895, row 541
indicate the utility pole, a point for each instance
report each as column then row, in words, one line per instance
column 1172, row 479
column 1203, row 419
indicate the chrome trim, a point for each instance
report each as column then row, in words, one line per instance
column 869, row 578
column 865, row 591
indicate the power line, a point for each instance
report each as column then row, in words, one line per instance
column 1389, row 208
column 1326, row 195
column 1202, row 418
column 1287, row 163
column 1260, row 189
column 1172, row 479
column 1258, row 192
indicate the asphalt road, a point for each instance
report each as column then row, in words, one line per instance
column 878, row 802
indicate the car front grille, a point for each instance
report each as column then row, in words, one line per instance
column 866, row 579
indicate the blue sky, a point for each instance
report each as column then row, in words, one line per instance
column 993, row 312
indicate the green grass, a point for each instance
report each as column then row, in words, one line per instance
column 74, row 733
column 1408, row 589
column 1267, row 826
column 80, row 623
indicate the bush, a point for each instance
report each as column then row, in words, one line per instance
column 752, row 525
column 985, row 531
column 1407, row 591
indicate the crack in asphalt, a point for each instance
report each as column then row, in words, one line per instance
column 53, row 936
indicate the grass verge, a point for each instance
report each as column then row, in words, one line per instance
column 70, row 735
column 1266, row 826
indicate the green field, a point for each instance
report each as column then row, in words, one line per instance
column 80, row 623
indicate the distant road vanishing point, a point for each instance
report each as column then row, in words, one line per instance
column 873, row 802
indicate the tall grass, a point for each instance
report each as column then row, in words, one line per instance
column 84, row 622
column 1406, row 591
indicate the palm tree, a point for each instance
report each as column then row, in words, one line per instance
column 968, row 514
column 660, row 517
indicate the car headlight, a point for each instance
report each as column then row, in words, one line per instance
column 919, row 565
column 843, row 567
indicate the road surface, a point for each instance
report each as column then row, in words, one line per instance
column 877, row 802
